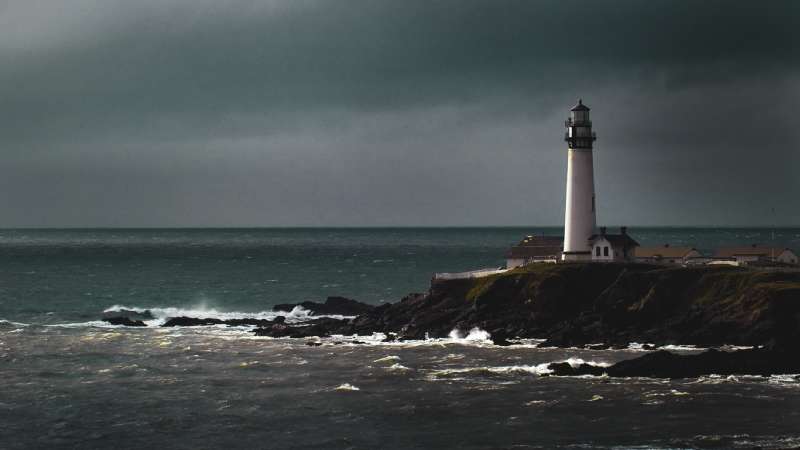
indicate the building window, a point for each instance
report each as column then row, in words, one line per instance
column 597, row 251
column 592, row 203
column 605, row 251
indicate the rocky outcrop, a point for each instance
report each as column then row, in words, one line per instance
column 340, row 306
column 124, row 321
column 183, row 321
column 614, row 304
column 128, row 314
column 601, row 306
column 596, row 305
column 314, row 328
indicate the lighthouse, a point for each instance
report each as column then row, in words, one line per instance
column 579, row 216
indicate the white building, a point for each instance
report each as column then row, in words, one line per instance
column 667, row 254
column 756, row 253
column 612, row 247
column 579, row 216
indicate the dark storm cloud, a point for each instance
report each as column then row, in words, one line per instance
column 392, row 112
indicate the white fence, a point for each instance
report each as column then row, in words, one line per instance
column 479, row 273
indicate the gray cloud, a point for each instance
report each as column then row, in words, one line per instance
column 382, row 112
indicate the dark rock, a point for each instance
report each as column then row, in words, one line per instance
column 333, row 306
column 583, row 304
column 196, row 322
column 129, row 314
column 663, row 364
column 124, row 321
column 321, row 327
column 564, row 369
column 500, row 337
column 190, row 322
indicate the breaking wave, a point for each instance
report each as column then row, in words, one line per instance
column 538, row 369
column 161, row 314
column 10, row 324
column 474, row 335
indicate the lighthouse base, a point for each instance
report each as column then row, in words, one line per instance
column 576, row 256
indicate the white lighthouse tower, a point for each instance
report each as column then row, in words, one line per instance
column 579, row 218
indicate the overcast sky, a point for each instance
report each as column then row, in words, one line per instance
column 375, row 113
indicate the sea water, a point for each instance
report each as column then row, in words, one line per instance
column 69, row 380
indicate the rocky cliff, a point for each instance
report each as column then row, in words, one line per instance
column 578, row 304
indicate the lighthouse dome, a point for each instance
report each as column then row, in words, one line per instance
column 580, row 106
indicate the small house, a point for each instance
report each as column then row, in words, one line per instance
column 612, row 247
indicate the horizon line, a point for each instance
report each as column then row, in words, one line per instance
column 344, row 227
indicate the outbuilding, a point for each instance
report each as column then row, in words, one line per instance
column 612, row 247
column 535, row 249
column 756, row 253
column 666, row 254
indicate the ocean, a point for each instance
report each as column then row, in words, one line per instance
column 68, row 380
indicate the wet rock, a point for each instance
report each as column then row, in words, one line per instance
column 578, row 305
column 197, row 322
column 321, row 327
column 500, row 337
column 124, row 321
column 565, row 369
column 664, row 364
column 128, row 314
column 183, row 321
column 333, row 306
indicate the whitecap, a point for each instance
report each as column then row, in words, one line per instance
column 161, row 314
column 391, row 358
column 346, row 387
column 397, row 367
column 540, row 369
column 474, row 335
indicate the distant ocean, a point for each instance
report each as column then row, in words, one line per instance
column 68, row 380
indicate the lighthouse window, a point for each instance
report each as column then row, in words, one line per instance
column 605, row 251
column 597, row 251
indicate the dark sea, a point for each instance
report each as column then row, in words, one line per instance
column 68, row 380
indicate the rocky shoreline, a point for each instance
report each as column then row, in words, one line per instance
column 583, row 305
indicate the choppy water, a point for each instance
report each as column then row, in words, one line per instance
column 66, row 381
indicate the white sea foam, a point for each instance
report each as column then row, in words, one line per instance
column 397, row 367
column 346, row 387
column 89, row 324
column 474, row 335
column 539, row 369
column 161, row 314
column 391, row 358
column 15, row 324
column 785, row 379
